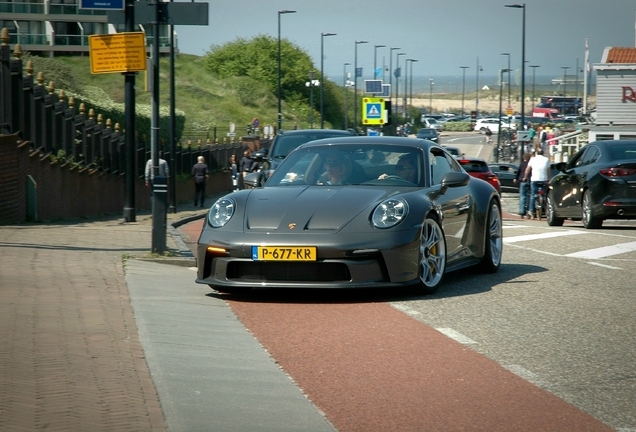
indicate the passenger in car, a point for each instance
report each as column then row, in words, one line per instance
column 405, row 168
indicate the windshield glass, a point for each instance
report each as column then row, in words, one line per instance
column 622, row 151
column 368, row 164
column 285, row 144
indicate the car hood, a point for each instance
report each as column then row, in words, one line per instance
column 316, row 208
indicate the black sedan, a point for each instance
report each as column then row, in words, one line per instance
column 506, row 172
column 353, row 212
column 429, row 134
column 598, row 183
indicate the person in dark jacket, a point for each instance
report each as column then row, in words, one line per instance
column 524, row 185
column 200, row 173
column 246, row 163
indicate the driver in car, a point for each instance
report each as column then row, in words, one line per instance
column 406, row 168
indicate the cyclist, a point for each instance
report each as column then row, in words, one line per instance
column 538, row 171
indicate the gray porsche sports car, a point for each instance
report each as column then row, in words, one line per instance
column 353, row 212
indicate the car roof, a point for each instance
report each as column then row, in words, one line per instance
column 383, row 140
column 316, row 132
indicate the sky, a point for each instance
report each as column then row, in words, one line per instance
column 442, row 35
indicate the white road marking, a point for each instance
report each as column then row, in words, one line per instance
column 456, row 336
column 407, row 310
column 541, row 236
column 605, row 266
column 527, row 375
column 606, row 251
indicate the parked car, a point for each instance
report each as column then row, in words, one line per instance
column 429, row 134
column 455, row 151
column 374, row 228
column 493, row 124
column 430, row 122
column 506, row 173
column 286, row 141
column 478, row 168
column 598, row 183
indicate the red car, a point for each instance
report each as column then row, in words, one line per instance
column 479, row 168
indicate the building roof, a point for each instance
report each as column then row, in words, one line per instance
column 619, row 55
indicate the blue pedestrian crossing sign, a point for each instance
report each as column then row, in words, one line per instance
column 373, row 111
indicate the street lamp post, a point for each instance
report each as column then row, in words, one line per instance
column 565, row 86
column 411, row 77
column 398, row 73
column 280, row 113
column 391, row 71
column 431, row 83
column 355, row 86
column 479, row 69
column 534, row 69
column 523, row 67
column 463, row 68
column 322, row 78
column 375, row 58
column 501, row 71
column 508, row 54
column 345, row 85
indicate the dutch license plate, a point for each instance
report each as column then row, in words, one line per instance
column 284, row 253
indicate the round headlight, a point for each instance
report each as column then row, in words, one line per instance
column 221, row 212
column 389, row 213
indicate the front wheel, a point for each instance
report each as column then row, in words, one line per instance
column 493, row 245
column 432, row 256
column 589, row 221
column 551, row 215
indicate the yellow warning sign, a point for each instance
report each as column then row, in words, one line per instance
column 373, row 111
column 118, row 52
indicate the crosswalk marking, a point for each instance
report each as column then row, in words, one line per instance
column 604, row 251
column 541, row 236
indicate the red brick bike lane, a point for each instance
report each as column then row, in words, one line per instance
column 370, row 367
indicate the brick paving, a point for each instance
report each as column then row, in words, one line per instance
column 70, row 355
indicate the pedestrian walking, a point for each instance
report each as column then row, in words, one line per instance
column 200, row 173
column 524, row 186
column 234, row 172
column 246, row 163
column 149, row 172
column 488, row 135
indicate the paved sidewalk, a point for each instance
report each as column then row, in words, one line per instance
column 70, row 354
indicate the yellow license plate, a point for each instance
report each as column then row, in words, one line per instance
column 284, row 253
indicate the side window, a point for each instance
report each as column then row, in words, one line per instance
column 591, row 155
column 440, row 165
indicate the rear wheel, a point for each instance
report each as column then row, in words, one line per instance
column 550, row 215
column 432, row 256
column 494, row 240
column 589, row 221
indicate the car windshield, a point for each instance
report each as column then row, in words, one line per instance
column 355, row 164
column 286, row 143
column 622, row 151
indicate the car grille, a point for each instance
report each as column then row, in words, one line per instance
column 288, row 271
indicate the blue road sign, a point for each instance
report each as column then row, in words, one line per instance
column 374, row 111
column 102, row 4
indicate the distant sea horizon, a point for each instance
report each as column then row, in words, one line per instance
column 452, row 84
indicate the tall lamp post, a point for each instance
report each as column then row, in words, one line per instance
column 375, row 60
column 479, row 69
column 355, row 86
column 565, row 86
column 508, row 54
column 322, row 78
column 534, row 69
column 463, row 68
column 431, row 83
column 345, row 85
column 523, row 67
column 280, row 110
column 411, row 77
column 501, row 71
column 391, row 71
column 398, row 73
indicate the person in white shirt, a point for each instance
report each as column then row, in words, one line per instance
column 538, row 171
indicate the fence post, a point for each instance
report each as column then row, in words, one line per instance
column 26, row 93
column 5, row 83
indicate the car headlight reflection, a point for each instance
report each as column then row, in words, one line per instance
column 221, row 212
column 389, row 213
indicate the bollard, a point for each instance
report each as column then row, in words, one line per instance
column 159, row 213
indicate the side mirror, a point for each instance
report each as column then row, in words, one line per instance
column 254, row 180
column 454, row 179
